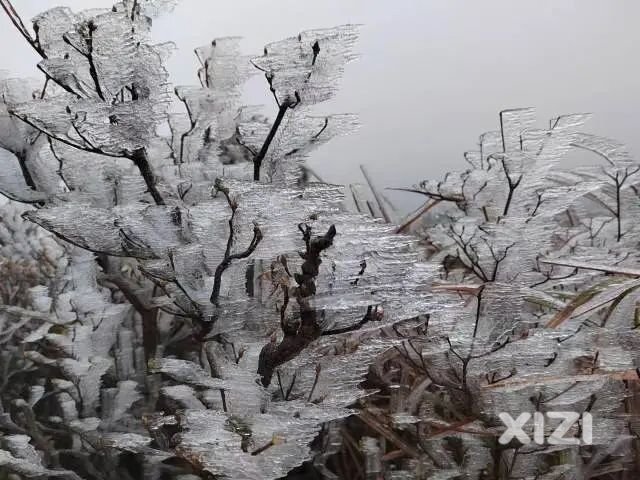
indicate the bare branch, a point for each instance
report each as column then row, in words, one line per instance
column 228, row 256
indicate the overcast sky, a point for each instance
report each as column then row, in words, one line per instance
column 433, row 73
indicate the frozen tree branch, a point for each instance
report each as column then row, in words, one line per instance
column 297, row 337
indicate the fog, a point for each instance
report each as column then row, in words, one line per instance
column 432, row 76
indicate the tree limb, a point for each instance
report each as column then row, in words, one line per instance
column 297, row 339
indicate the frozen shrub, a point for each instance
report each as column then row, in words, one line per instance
column 539, row 269
column 202, row 320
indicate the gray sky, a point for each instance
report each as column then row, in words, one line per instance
column 433, row 74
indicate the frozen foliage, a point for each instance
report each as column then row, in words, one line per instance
column 539, row 313
column 210, row 312
column 214, row 309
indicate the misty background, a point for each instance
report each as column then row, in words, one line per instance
column 432, row 76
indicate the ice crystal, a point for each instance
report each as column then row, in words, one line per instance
column 215, row 312
column 217, row 303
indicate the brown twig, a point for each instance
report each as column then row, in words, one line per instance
column 228, row 256
column 257, row 161
column 376, row 194
column 373, row 422
column 141, row 160
column 414, row 218
column 17, row 22
column 296, row 340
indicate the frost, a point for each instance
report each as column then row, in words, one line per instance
column 198, row 306
column 193, row 266
column 522, row 241
column 305, row 68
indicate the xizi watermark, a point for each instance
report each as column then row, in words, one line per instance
column 515, row 428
